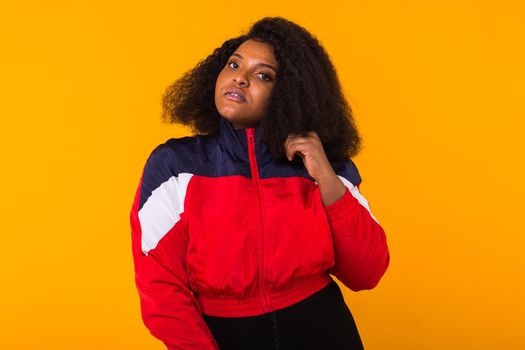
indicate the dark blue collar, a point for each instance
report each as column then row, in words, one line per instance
column 236, row 140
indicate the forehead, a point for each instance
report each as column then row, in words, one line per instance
column 256, row 50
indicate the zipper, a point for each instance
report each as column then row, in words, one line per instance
column 256, row 180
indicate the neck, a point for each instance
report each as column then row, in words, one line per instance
column 241, row 126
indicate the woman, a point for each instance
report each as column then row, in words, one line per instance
column 234, row 237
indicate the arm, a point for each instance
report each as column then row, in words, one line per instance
column 159, row 242
column 360, row 247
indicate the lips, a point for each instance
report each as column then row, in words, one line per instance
column 235, row 94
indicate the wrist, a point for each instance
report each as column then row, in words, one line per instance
column 331, row 188
column 327, row 178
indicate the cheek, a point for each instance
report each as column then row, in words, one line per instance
column 219, row 83
column 218, row 89
column 262, row 97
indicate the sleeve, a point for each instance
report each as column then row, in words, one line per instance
column 159, row 243
column 360, row 248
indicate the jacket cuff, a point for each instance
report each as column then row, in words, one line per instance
column 342, row 207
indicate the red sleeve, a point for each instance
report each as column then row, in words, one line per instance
column 360, row 246
column 169, row 309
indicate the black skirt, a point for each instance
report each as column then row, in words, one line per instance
column 321, row 321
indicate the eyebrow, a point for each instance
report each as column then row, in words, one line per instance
column 258, row 64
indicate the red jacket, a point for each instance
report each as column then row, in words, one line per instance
column 219, row 227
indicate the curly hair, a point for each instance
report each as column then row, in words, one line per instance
column 306, row 97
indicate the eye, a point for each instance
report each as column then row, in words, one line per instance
column 266, row 77
column 229, row 63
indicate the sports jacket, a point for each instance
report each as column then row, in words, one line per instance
column 219, row 227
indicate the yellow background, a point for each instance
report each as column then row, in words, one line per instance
column 437, row 89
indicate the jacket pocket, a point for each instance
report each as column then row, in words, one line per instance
column 321, row 231
column 196, row 258
column 301, row 243
column 224, row 260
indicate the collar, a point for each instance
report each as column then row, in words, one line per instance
column 236, row 140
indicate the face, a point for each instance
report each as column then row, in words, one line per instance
column 251, row 72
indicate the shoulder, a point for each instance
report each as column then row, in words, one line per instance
column 348, row 170
column 175, row 155
column 173, row 160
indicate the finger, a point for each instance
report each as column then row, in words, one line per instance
column 296, row 148
column 299, row 145
column 291, row 151
column 289, row 139
column 295, row 144
column 287, row 147
column 314, row 135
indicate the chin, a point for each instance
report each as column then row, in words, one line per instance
column 231, row 113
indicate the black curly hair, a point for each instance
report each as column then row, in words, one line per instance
column 306, row 97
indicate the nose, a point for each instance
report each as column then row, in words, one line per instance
column 240, row 79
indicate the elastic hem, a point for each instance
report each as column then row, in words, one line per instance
column 297, row 290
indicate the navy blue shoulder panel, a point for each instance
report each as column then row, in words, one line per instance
column 270, row 168
column 197, row 155
column 219, row 160
column 175, row 156
column 348, row 170
column 284, row 168
column 203, row 155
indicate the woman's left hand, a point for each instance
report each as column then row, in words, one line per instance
column 311, row 150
